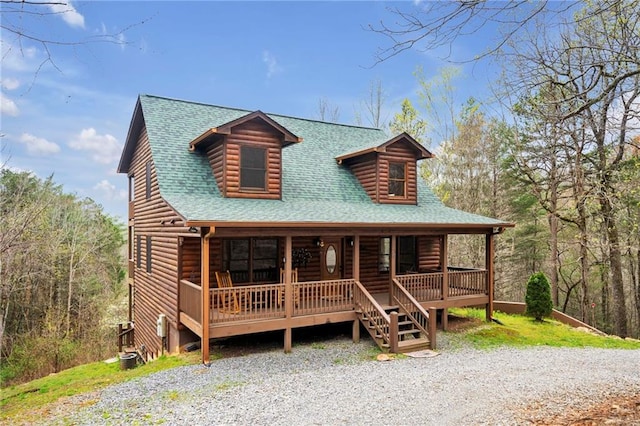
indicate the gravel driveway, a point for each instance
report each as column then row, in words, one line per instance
column 337, row 383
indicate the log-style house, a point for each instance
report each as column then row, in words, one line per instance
column 243, row 222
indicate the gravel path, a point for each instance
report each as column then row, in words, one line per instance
column 336, row 383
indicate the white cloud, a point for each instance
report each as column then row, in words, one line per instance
column 69, row 14
column 19, row 58
column 10, row 83
column 109, row 191
column 104, row 149
column 39, row 146
column 8, row 107
column 272, row 64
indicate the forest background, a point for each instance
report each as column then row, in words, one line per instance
column 555, row 150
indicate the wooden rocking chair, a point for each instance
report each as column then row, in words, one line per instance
column 227, row 302
column 296, row 292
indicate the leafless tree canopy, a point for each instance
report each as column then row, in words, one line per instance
column 434, row 24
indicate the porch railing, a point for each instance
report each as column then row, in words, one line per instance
column 467, row 282
column 251, row 302
column 316, row 297
column 374, row 317
column 414, row 311
column 191, row 300
column 423, row 287
column 428, row 286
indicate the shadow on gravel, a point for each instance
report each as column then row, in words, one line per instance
column 274, row 340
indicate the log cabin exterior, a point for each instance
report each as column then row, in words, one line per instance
column 314, row 222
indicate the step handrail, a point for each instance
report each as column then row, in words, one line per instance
column 361, row 291
column 421, row 319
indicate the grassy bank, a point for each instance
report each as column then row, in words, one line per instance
column 522, row 331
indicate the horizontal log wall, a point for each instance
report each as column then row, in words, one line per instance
column 155, row 292
column 429, row 253
column 259, row 134
column 366, row 171
column 215, row 154
column 398, row 153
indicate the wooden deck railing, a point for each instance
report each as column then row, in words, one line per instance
column 251, row 302
column 191, row 300
column 423, row 287
column 414, row 311
column 373, row 315
column 467, row 282
column 316, row 297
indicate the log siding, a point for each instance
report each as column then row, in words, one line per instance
column 372, row 171
column 155, row 292
column 225, row 160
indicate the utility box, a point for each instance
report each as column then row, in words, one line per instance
column 161, row 325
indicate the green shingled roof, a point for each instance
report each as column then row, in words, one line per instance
column 315, row 189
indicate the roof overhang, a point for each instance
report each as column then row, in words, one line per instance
column 136, row 125
column 225, row 129
column 421, row 151
column 357, row 228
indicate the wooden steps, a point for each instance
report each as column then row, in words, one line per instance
column 409, row 338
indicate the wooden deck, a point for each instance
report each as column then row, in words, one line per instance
column 258, row 308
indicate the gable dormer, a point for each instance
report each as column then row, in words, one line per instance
column 388, row 171
column 245, row 155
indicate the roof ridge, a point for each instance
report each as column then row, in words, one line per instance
column 312, row 120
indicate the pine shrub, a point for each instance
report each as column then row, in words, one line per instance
column 538, row 297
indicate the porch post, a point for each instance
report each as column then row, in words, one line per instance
column 288, row 293
column 489, row 254
column 356, row 276
column 444, row 262
column 204, row 286
column 392, row 266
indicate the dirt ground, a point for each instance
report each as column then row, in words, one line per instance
column 614, row 411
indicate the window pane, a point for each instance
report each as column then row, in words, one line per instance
column 396, row 171
column 265, row 260
column 407, row 254
column 253, row 167
column 396, row 188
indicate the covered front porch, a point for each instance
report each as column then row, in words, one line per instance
column 353, row 278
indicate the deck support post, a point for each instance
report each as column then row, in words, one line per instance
column 392, row 267
column 356, row 276
column 444, row 263
column 288, row 293
column 433, row 319
column 489, row 254
column 445, row 319
column 204, row 287
column 393, row 332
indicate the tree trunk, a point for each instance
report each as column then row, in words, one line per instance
column 615, row 261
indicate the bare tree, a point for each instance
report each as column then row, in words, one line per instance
column 593, row 67
column 432, row 25
column 328, row 112
column 28, row 23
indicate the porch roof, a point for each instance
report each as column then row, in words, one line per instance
column 315, row 189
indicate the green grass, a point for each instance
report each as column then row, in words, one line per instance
column 25, row 399
column 522, row 331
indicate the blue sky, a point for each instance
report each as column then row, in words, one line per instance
column 70, row 118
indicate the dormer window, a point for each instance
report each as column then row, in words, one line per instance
column 253, row 168
column 397, row 179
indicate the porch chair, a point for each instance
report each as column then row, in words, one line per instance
column 296, row 291
column 227, row 301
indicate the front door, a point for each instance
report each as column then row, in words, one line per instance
column 330, row 258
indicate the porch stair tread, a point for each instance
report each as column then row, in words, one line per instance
column 413, row 344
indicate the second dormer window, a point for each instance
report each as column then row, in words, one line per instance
column 253, row 168
column 397, row 179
